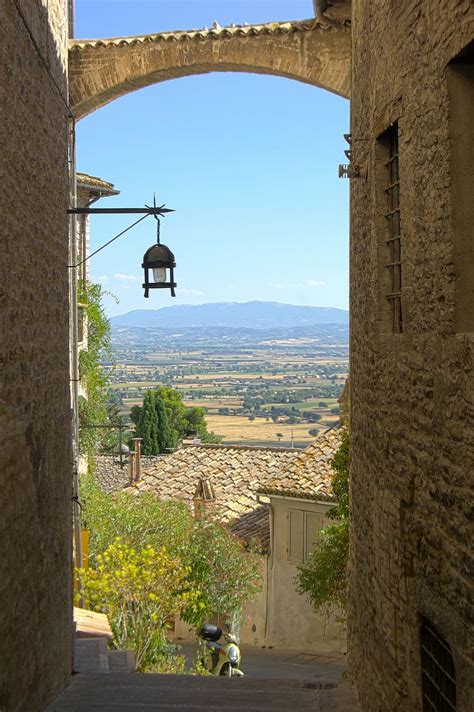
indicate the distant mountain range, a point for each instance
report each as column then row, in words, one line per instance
column 249, row 315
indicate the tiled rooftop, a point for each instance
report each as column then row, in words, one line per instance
column 94, row 183
column 214, row 32
column 310, row 474
column 236, row 472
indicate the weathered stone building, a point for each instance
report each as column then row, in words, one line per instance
column 35, row 429
column 412, row 350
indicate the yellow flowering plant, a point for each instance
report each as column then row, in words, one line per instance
column 140, row 591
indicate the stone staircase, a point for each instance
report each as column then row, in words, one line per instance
column 137, row 692
column 92, row 655
column 106, row 681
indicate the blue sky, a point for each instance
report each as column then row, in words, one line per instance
column 249, row 163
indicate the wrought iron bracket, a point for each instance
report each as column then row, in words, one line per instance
column 155, row 210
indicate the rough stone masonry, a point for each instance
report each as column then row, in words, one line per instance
column 412, row 391
column 35, row 456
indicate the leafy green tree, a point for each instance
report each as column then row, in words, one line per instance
column 147, row 426
column 136, row 520
column 135, row 413
column 153, row 425
column 92, row 376
column 166, row 437
column 225, row 574
column 181, row 420
column 221, row 571
column 323, row 578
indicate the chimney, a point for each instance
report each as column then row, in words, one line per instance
column 191, row 439
column 204, row 498
column 137, row 464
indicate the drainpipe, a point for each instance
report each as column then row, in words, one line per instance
column 70, row 18
column 269, row 565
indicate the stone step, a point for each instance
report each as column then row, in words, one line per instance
column 91, row 655
column 167, row 693
column 121, row 661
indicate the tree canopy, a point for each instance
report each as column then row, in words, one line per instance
column 177, row 421
column 323, row 578
column 93, row 378
column 205, row 569
column 153, row 426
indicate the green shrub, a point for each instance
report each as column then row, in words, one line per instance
column 323, row 578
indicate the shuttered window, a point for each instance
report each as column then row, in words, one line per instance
column 295, row 535
column 302, row 532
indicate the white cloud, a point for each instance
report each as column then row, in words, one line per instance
column 118, row 277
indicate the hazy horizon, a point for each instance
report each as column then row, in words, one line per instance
column 249, row 301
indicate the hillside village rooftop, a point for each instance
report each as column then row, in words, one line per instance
column 238, row 474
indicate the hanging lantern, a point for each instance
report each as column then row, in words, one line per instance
column 160, row 260
column 121, row 453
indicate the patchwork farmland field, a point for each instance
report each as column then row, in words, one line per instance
column 256, row 388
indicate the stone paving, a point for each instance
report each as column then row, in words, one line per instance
column 275, row 680
column 327, row 667
column 167, row 693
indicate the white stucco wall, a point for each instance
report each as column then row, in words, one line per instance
column 292, row 622
column 279, row 616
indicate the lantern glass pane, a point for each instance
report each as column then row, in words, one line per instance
column 159, row 274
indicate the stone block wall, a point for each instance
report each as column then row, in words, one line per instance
column 412, row 393
column 35, row 447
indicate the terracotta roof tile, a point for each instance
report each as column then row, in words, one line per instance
column 216, row 32
column 238, row 473
column 310, row 474
column 86, row 181
column 235, row 472
column 254, row 524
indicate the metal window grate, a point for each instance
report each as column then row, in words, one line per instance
column 437, row 671
column 392, row 214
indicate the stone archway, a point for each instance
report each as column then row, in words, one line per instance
column 104, row 69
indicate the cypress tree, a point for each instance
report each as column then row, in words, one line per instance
column 147, row 427
column 165, row 437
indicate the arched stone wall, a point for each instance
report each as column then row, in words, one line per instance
column 103, row 69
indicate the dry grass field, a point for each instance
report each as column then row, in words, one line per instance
column 241, row 429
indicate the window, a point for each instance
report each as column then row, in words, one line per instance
column 438, row 676
column 295, row 535
column 302, row 532
column 392, row 258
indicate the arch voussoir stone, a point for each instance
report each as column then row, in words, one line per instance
column 105, row 69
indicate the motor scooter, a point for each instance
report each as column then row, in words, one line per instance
column 219, row 658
